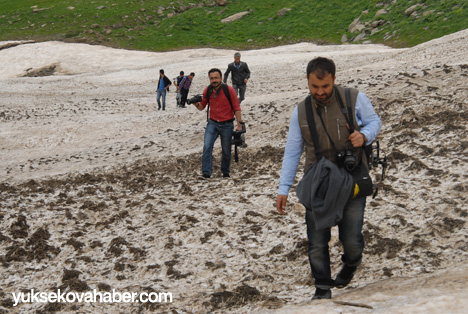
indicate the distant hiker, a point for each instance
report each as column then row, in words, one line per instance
column 329, row 128
column 177, row 81
column 184, row 87
column 223, row 106
column 240, row 76
column 163, row 87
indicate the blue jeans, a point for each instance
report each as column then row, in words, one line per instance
column 179, row 98
column 212, row 131
column 161, row 92
column 350, row 236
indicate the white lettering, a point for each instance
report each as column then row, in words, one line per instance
column 16, row 298
column 61, row 297
column 127, row 297
column 90, row 297
column 44, row 297
column 155, row 300
column 165, row 294
column 70, row 297
column 107, row 297
column 34, row 297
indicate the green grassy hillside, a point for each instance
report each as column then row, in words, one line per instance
column 171, row 25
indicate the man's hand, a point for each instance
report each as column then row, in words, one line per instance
column 281, row 201
column 245, row 81
column 357, row 139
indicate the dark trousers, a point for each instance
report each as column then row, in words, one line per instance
column 350, row 236
column 184, row 93
column 240, row 91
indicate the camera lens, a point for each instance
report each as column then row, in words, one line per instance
column 349, row 160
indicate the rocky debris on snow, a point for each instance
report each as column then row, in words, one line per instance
column 101, row 191
column 43, row 71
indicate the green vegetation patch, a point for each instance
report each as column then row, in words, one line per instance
column 173, row 25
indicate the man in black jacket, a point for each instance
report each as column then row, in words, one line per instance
column 163, row 87
column 240, row 76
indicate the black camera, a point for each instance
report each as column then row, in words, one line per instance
column 195, row 99
column 373, row 156
column 238, row 139
column 347, row 159
column 238, row 136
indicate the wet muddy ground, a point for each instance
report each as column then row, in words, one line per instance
column 128, row 210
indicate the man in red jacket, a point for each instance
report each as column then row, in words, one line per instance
column 222, row 110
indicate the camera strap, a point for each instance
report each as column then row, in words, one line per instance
column 312, row 126
column 348, row 109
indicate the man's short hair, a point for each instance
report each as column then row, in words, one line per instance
column 181, row 72
column 161, row 71
column 192, row 74
column 321, row 67
column 237, row 54
column 215, row 70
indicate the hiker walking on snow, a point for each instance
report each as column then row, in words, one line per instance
column 324, row 109
column 223, row 107
column 184, row 87
column 240, row 76
column 177, row 81
column 163, row 88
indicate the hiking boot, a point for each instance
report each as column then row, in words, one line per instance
column 226, row 175
column 206, row 176
column 344, row 276
column 322, row 294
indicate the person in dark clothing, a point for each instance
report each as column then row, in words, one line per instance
column 177, row 81
column 163, row 88
column 240, row 76
column 331, row 125
column 184, row 87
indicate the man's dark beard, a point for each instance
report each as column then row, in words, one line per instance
column 323, row 101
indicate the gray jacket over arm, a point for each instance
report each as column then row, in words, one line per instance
column 325, row 188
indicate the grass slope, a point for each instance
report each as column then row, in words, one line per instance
column 171, row 25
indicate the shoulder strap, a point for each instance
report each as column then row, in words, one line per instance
column 208, row 95
column 312, row 126
column 348, row 110
column 226, row 93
